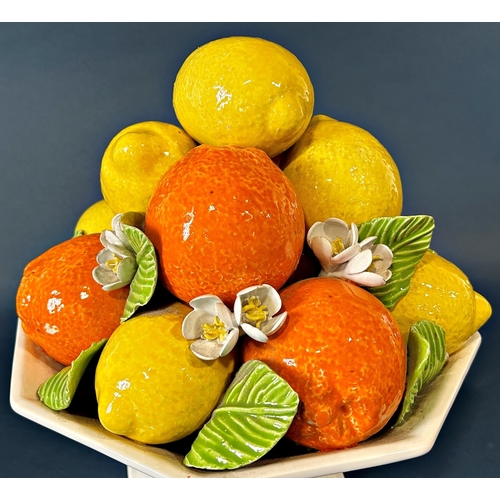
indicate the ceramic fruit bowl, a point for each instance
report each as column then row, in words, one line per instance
column 31, row 367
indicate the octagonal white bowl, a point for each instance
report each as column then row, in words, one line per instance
column 31, row 367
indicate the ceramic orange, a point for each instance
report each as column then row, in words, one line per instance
column 61, row 308
column 342, row 352
column 224, row 218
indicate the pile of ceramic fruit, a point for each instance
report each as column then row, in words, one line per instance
column 249, row 278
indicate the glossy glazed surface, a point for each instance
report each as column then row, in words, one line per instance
column 341, row 170
column 150, row 387
column 223, row 219
column 416, row 437
column 244, row 91
column 442, row 293
column 134, row 161
column 62, row 308
column 343, row 353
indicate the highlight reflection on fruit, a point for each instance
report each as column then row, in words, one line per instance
column 62, row 309
column 344, row 355
column 244, row 91
column 150, row 387
column 223, row 219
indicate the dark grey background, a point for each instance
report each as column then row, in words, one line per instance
column 428, row 92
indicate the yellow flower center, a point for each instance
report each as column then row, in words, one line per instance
column 337, row 246
column 113, row 263
column 255, row 312
column 216, row 330
column 375, row 258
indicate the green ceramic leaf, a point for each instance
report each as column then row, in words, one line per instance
column 143, row 285
column 254, row 414
column 78, row 232
column 58, row 391
column 408, row 237
column 426, row 358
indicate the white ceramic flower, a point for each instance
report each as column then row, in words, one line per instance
column 254, row 310
column 333, row 242
column 213, row 325
column 370, row 267
column 342, row 256
column 117, row 260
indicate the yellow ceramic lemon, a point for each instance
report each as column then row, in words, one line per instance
column 150, row 387
column 95, row 219
column 243, row 91
column 136, row 159
column 440, row 292
column 341, row 170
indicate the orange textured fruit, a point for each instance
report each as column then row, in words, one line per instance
column 222, row 219
column 61, row 308
column 342, row 352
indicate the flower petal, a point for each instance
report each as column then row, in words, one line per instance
column 317, row 229
column 359, row 263
column 270, row 297
column 104, row 275
column 109, row 238
column 353, row 235
column 237, row 308
column 104, row 255
column 114, row 286
column 191, row 326
column 248, row 290
column 230, row 341
column 379, row 266
column 336, row 228
column 323, row 250
column 367, row 243
column 116, row 224
column 383, row 252
column 225, row 315
column 126, row 269
column 205, row 302
column 337, row 272
column 386, row 274
column 254, row 332
column 274, row 324
column 325, row 274
column 107, row 278
column 347, row 254
column 267, row 295
column 207, row 350
column 367, row 279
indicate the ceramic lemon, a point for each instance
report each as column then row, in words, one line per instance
column 150, row 387
column 135, row 160
column 440, row 292
column 95, row 219
column 244, row 91
column 341, row 170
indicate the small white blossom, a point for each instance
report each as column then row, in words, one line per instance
column 254, row 310
column 213, row 325
column 117, row 260
column 333, row 242
column 341, row 255
column 217, row 329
